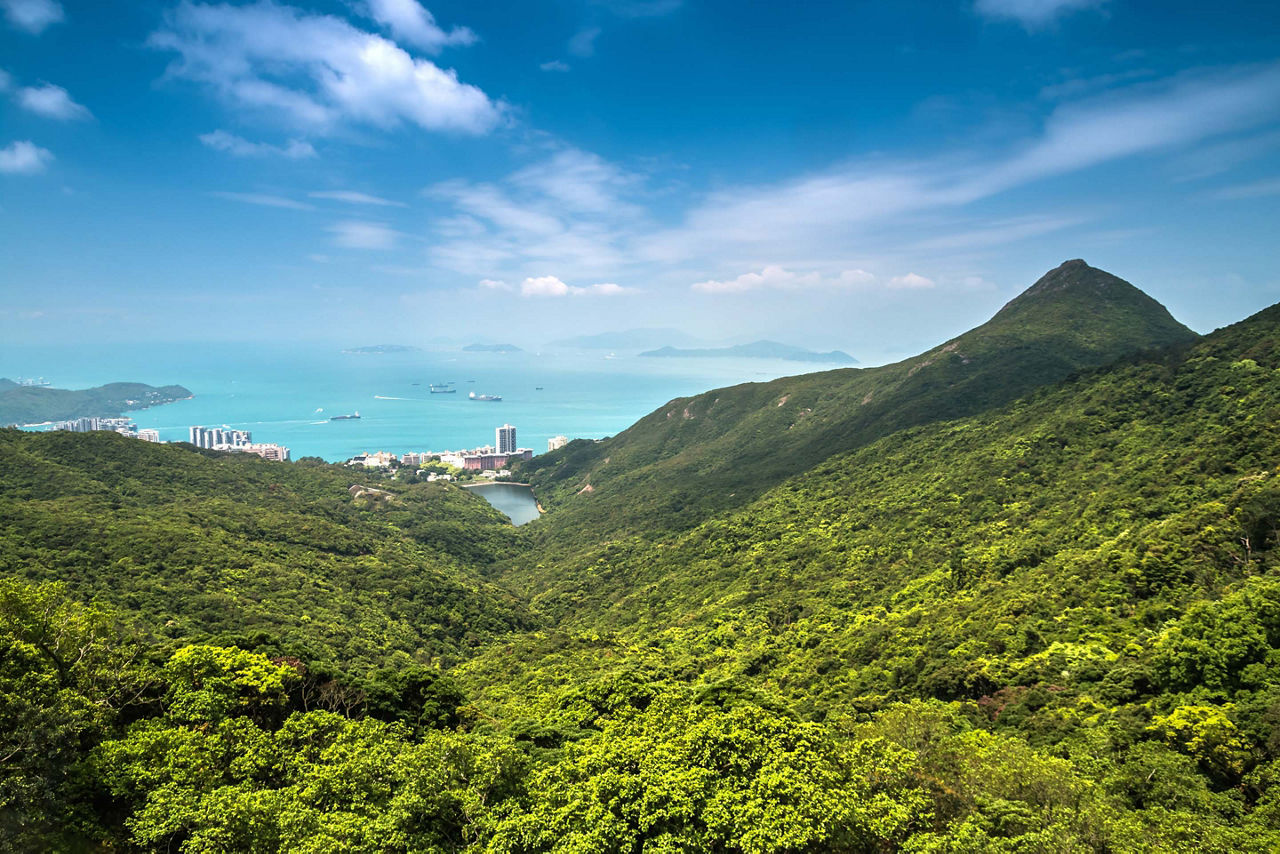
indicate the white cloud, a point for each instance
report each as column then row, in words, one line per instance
column 409, row 22
column 551, row 286
column 494, row 285
column 52, row 102
column 1033, row 14
column 24, row 158
column 220, row 140
column 32, row 15
column 555, row 65
column 264, row 200
column 583, row 42
column 355, row 234
column 911, row 281
column 354, row 198
column 778, row 278
column 543, row 286
column 316, row 71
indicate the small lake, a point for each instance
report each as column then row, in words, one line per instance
column 517, row 502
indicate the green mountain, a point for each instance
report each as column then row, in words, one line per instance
column 718, row 450
column 35, row 405
column 1049, row 623
column 754, row 350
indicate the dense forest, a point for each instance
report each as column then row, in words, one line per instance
column 1017, row 594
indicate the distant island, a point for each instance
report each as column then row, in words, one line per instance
column 631, row 339
column 22, row 404
column 755, row 350
column 379, row 349
column 491, row 348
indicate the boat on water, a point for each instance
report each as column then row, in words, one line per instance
column 355, row 416
column 475, row 396
column 436, row 389
column 537, row 388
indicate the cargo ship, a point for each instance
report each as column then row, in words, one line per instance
column 475, row 396
column 355, row 416
column 445, row 388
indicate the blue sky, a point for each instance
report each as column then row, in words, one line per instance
column 870, row 176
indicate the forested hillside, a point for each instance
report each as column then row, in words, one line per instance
column 1045, row 623
column 716, row 451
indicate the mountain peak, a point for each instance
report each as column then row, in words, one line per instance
column 1075, row 299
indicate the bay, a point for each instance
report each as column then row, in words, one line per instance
column 287, row 394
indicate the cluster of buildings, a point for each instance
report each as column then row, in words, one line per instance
column 115, row 425
column 214, row 438
column 489, row 458
column 226, row 439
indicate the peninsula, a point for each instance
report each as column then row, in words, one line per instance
column 24, row 404
column 754, row 350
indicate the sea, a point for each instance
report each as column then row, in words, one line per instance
column 287, row 394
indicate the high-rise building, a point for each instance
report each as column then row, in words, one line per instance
column 505, row 442
column 555, row 443
column 222, row 438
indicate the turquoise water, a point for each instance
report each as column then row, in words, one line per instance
column 287, row 394
column 516, row 501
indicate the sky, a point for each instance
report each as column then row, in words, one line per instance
column 870, row 176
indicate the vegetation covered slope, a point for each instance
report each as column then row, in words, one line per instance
column 1094, row 570
column 716, row 451
column 1049, row 626
column 206, row 544
column 34, row 405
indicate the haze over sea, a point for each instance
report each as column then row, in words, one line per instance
column 286, row 395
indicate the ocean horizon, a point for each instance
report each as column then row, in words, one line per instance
column 287, row 394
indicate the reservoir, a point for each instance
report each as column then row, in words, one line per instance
column 517, row 502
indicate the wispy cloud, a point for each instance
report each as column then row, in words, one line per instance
column 555, row 65
column 24, row 157
column 552, row 286
column 52, row 102
column 316, row 71
column 780, row 279
column 354, row 198
column 32, row 16
column 357, row 234
column 803, row 217
column 264, row 200
column 220, row 140
column 6, row 80
column 1254, row 190
column 409, row 22
column 592, row 220
column 570, row 209
column 583, row 42
column 1033, row 14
